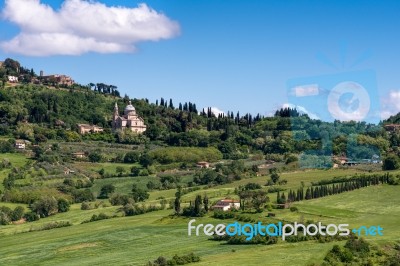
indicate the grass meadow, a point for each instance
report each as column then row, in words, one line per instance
column 137, row 239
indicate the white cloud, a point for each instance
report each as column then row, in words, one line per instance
column 82, row 26
column 301, row 110
column 215, row 110
column 305, row 90
column 391, row 104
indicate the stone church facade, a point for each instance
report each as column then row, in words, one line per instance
column 130, row 120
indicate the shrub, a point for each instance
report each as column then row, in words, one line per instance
column 135, row 209
column 118, row 199
column 135, row 171
column 31, row 216
column 18, row 213
column 46, row 206
column 4, row 218
column 391, row 162
column 176, row 260
column 131, row 157
column 144, row 172
column 106, row 190
column 86, row 206
column 83, row 195
column 63, row 205
column 100, row 216
column 95, row 157
column 252, row 186
column 291, row 158
column 53, row 225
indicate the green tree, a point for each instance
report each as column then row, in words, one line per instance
column 17, row 213
column 197, row 206
column 95, row 157
column 177, row 202
column 151, row 185
column 391, row 162
column 46, row 206
column 119, row 170
column 106, row 191
column 135, row 171
column 274, row 175
column 9, row 182
column 131, row 157
column 205, row 202
column 63, row 205
column 259, row 198
column 139, row 194
column 146, row 160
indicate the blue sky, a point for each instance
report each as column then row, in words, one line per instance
column 240, row 55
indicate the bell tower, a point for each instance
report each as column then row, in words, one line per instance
column 116, row 113
column 115, row 116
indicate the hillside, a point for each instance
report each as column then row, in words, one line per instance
column 121, row 197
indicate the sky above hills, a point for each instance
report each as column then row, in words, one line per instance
column 251, row 56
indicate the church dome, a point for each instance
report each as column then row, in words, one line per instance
column 129, row 107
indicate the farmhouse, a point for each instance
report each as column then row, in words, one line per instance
column 340, row 159
column 203, row 164
column 79, row 155
column 12, row 79
column 226, row 205
column 20, row 144
column 130, row 120
column 86, row 128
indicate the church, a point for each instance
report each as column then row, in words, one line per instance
column 130, row 120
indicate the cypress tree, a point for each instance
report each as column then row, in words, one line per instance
column 197, row 206
column 205, row 202
column 308, row 194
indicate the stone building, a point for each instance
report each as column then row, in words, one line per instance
column 86, row 128
column 130, row 120
column 57, row 79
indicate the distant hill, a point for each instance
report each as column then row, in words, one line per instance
column 37, row 112
column 394, row 119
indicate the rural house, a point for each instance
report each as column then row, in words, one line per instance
column 12, row 79
column 86, row 128
column 203, row 164
column 79, row 155
column 226, row 205
column 20, row 144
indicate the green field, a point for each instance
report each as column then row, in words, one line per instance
column 138, row 239
column 16, row 159
column 135, row 240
